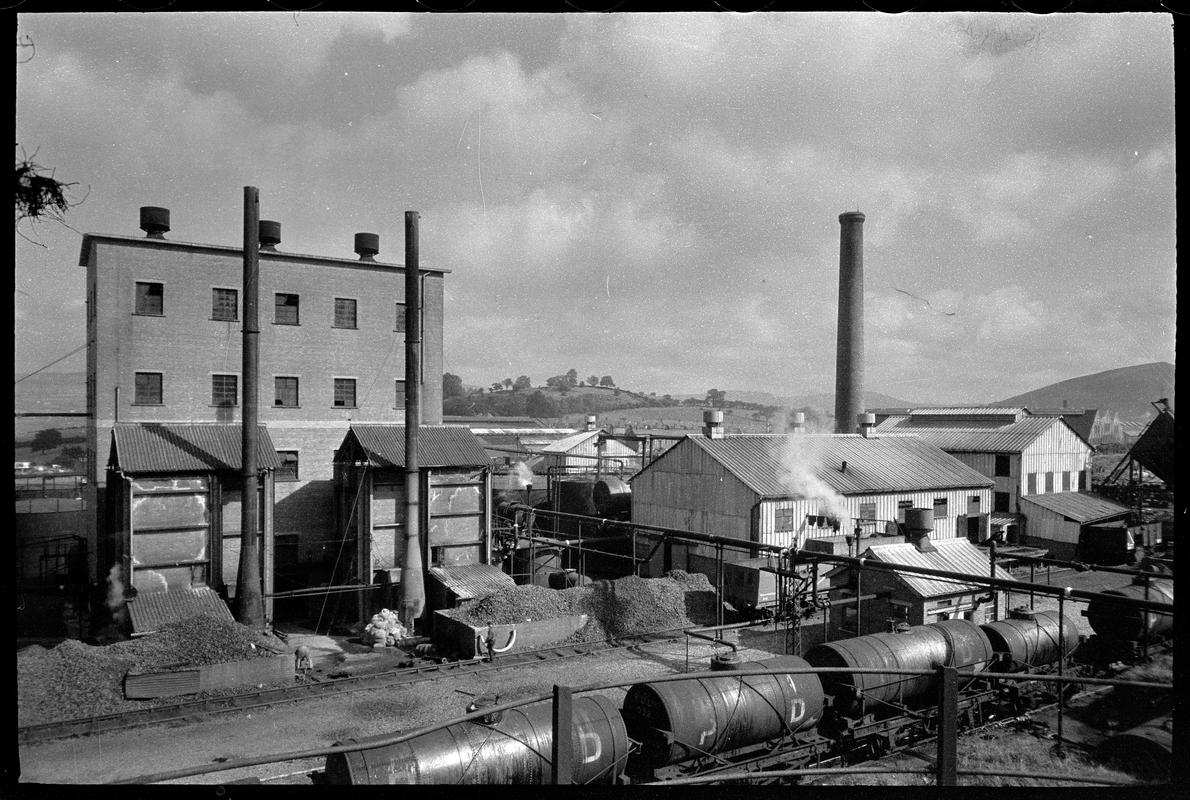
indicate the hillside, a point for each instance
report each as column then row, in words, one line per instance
column 1127, row 391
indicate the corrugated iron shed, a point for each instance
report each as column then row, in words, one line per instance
column 1012, row 438
column 149, row 611
column 470, row 581
column 139, row 447
column 1079, row 507
column 952, row 555
column 437, row 445
column 874, row 465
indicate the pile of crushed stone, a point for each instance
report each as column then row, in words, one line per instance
column 75, row 680
column 622, row 607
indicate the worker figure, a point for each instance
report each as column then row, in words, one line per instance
column 301, row 661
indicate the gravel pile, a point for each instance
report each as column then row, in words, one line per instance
column 515, row 604
column 75, row 680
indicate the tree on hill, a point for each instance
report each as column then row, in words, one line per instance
column 497, row 386
column 452, row 386
column 47, row 439
column 572, row 377
column 606, row 380
column 538, row 405
column 522, row 382
column 715, row 398
column 507, row 383
column 592, row 380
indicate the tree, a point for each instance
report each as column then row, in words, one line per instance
column 507, row 383
column 522, row 382
column 606, row 380
column 592, row 380
column 452, row 386
column 47, row 439
column 497, row 386
column 70, row 456
column 538, row 405
column 715, row 398
column 571, row 377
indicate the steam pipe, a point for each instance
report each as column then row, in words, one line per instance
column 413, row 593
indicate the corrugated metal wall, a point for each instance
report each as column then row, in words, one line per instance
column 1057, row 456
column 1048, row 525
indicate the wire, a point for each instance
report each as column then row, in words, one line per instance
column 82, row 346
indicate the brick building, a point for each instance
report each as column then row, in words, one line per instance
column 164, row 333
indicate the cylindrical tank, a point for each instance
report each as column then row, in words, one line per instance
column 1145, row 751
column 968, row 646
column 679, row 720
column 612, row 498
column 515, row 750
column 154, row 221
column 536, row 564
column 1024, row 641
column 564, row 579
column 575, row 496
column 1120, row 624
column 921, row 647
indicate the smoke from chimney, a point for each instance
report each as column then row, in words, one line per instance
column 115, row 588
column 800, row 467
column 849, row 359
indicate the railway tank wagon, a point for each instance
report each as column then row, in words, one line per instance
column 1117, row 624
column 1027, row 640
column 512, row 747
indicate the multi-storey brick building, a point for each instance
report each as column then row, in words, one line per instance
column 164, row 333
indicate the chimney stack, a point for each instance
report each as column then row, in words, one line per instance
column 866, row 422
column 591, row 422
column 797, row 423
column 712, row 424
column 849, row 360
column 918, row 524
column 270, row 235
column 154, row 221
column 367, row 245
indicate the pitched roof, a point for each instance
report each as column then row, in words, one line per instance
column 567, row 443
column 953, row 555
column 437, row 445
column 1012, row 438
column 966, row 411
column 874, row 465
column 141, row 447
column 1080, row 507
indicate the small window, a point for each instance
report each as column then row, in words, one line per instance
column 1031, row 483
column 286, row 392
column 1001, row 502
column 225, row 305
column 344, row 392
column 150, row 298
column 148, row 389
column 1049, row 482
column 867, row 511
column 939, row 508
column 286, row 309
column 400, row 317
column 902, row 506
column 400, row 394
column 288, row 471
column 224, row 390
column 1084, row 482
column 1003, row 469
column 1066, row 481
column 344, row 313
column 786, row 519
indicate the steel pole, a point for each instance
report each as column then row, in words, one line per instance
column 249, row 601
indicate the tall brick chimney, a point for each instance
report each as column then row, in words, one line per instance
column 849, row 360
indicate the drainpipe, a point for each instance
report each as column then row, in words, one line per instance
column 413, row 594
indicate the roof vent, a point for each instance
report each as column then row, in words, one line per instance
column 270, row 235
column 154, row 221
column 866, row 421
column 919, row 522
column 367, row 245
column 591, row 423
column 712, row 424
column 798, row 423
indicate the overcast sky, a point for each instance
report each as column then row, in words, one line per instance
column 650, row 196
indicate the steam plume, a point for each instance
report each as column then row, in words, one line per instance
column 115, row 587
column 800, row 468
column 522, row 474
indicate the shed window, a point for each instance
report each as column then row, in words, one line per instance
column 1066, row 481
column 1084, row 481
column 786, row 519
column 1003, row 468
column 344, row 392
column 150, row 298
column 939, row 508
column 1001, row 502
column 225, row 305
column 344, row 312
column 867, row 511
column 224, row 390
column 286, row 309
column 902, row 505
column 288, row 471
column 1031, row 483
column 148, row 389
column 1049, row 482
column 285, row 392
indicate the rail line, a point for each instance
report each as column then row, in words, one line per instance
column 198, row 710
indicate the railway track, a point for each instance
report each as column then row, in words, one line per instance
column 198, row 710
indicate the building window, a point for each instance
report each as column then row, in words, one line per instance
column 867, row 511
column 150, row 298
column 288, row 471
column 786, row 519
column 344, row 392
column 902, row 505
column 225, row 305
column 1066, row 481
column 1003, row 469
column 1049, row 482
column 400, row 394
column 400, row 317
column 148, row 389
column 1031, row 483
column 224, row 390
column 286, row 309
column 1084, row 482
column 939, row 508
column 1001, row 502
column 344, row 313
column 285, row 392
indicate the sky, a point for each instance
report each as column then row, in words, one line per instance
column 654, row 197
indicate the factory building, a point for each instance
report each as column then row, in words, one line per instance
column 1073, row 525
column 587, row 450
column 785, row 490
column 1025, row 454
column 164, row 331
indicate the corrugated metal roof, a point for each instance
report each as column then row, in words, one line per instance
column 1080, row 507
column 953, row 555
column 1012, row 438
column 966, row 411
column 470, row 581
column 568, row 443
column 149, row 611
column 874, row 465
column 1003, row 518
column 141, row 447
column 437, row 445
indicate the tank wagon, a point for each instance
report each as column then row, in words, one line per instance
column 1121, row 632
column 1028, row 639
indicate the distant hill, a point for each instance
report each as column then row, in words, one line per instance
column 821, row 400
column 1127, row 391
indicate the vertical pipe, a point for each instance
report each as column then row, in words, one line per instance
column 248, row 590
column 995, row 591
column 413, row 595
column 948, row 727
column 1061, row 661
column 562, row 761
column 849, row 358
column 859, row 600
column 719, row 582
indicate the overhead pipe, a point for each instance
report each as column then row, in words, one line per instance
column 249, row 593
column 413, row 593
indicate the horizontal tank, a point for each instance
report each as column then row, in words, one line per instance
column 1119, row 624
column 612, row 498
column 1032, row 641
column 514, row 750
column 679, row 720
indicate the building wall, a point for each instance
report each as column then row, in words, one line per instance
column 188, row 347
column 1059, row 457
column 1009, row 484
